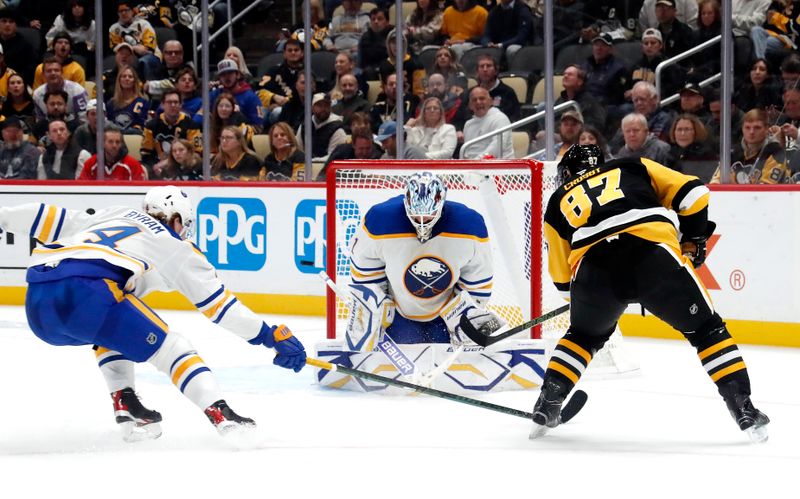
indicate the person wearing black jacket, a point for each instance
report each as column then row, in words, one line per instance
column 508, row 27
column 372, row 45
column 360, row 147
column 678, row 37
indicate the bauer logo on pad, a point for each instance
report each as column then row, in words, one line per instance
column 232, row 232
column 309, row 236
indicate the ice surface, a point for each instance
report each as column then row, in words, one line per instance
column 664, row 433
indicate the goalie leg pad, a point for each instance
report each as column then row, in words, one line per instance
column 514, row 364
column 371, row 312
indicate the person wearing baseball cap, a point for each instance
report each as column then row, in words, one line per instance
column 686, row 11
column 606, row 77
column 62, row 50
column 693, row 101
column 328, row 129
column 18, row 157
column 652, row 55
column 677, row 37
column 569, row 131
column 230, row 79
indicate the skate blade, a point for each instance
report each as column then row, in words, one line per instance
column 758, row 434
column 131, row 432
column 538, row 431
column 240, row 436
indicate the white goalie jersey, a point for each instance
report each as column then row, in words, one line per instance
column 155, row 256
column 421, row 277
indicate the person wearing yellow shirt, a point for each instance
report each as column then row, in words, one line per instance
column 62, row 49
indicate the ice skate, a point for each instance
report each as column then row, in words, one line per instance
column 136, row 422
column 750, row 420
column 547, row 410
column 225, row 420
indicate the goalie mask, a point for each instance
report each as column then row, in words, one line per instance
column 163, row 202
column 580, row 158
column 424, row 201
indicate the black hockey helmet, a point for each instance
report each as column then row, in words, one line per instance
column 580, row 158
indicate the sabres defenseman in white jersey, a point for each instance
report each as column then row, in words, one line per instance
column 84, row 287
column 425, row 258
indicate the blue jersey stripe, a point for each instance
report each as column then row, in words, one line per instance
column 366, row 269
column 36, row 220
column 211, row 298
column 473, row 283
column 375, row 281
column 60, row 224
column 224, row 311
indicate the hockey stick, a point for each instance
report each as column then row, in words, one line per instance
column 570, row 409
column 485, row 340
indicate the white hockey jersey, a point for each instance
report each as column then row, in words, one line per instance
column 130, row 239
column 422, row 277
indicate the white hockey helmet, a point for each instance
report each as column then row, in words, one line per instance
column 164, row 201
column 424, row 201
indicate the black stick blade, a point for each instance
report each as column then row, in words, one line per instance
column 573, row 406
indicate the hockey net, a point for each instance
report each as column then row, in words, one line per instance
column 509, row 194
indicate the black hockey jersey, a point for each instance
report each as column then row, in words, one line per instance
column 631, row 195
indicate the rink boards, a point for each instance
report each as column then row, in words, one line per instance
column 268, row 242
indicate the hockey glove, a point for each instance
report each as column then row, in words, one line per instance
column 463, row 304
column 291, row 353
column 371, row 312
column 694, row 248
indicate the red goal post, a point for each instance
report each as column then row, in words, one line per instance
column 508, row 193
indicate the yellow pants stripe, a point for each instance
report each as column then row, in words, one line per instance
column 114, row 288
column 191, row 361
column 144, row 309
column 728, row 370
column 100, row 351
column 577, row 349
column 715, row 348
column 555, row 366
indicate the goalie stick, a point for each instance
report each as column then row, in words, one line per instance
column 485, row 340
column 571, row 408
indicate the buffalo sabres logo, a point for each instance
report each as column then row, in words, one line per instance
column 427, row 277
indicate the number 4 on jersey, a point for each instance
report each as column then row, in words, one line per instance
column 109, row 236
column 577, row 205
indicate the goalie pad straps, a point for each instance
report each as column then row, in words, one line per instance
column 371, row 312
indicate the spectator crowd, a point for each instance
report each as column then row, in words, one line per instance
column 467, row 68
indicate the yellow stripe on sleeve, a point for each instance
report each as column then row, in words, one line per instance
column 44, row 234
column 211, row 312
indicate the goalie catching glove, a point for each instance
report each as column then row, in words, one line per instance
column 291, row 353
column 463, row 304
column 371, row 312
column 694, row 248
